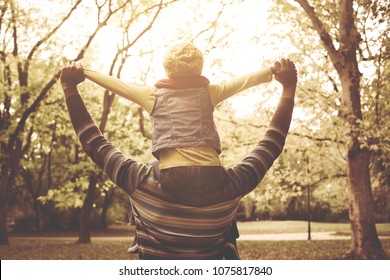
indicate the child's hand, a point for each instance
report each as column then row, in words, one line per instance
column 276, row 68
column 286, row 73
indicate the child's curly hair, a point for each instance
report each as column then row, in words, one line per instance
column 183, row 60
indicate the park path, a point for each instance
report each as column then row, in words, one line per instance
column 325, row 235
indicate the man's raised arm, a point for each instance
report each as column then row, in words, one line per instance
column 251, row 171
column 112, row 161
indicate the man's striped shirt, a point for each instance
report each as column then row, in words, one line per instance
column 167, row 228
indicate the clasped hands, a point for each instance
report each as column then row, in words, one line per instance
column 285, row 73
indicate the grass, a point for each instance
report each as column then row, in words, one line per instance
column 66, row 249
column 297, row 250
column 112, row 245
column 269, row 227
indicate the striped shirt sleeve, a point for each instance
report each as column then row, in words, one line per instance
column 248, row 174
column 124, row 172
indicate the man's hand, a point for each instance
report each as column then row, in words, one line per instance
column 285, row 73
column 72, row 75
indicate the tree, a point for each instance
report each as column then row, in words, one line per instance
column 26, row 37
column 117, row 63
column 343, row 52
column 33, row 175
column 20, row 100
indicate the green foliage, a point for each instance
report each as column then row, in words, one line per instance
column 315, row 151
column 71, row 195
column 316, row 147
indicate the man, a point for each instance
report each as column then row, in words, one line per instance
column 171, row 225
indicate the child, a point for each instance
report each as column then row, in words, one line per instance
column 185, row 139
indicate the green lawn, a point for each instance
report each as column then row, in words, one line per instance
column 112, row 245
column 297, row 250
column 65, row 249
column 268, row 227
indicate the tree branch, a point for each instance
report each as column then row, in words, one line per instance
column 3, row 9
column 348, row 35
column 33, row 107
column 304, row 186
column 146, row 29
column 47, row 36
column 123, row 52
column 98, row 27
column 14, row 31
column 317, row 139
column 322, row 32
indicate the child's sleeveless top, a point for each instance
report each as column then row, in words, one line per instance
column 183, row 117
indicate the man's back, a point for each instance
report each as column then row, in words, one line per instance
column 168, row 227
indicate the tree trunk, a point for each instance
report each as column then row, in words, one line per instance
column 365, row 242
column 86, row 210
column 308, row 213
column 9, row 171
column 106, row 204
column 37, row 219
column 3, row 207
column 4, row 196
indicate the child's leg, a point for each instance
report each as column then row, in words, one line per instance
column 133, row 248
column 233, row 233
column 230, row 251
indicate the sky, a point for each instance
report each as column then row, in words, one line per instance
column 238, row 53
column 243, row 56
